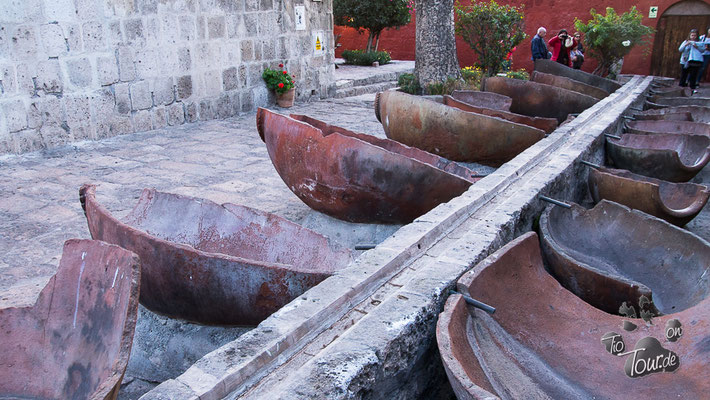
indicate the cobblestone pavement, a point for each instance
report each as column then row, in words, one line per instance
column 221, row 160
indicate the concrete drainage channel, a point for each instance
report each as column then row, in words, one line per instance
column 368, row 331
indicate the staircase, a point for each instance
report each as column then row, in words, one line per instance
column 354, row 80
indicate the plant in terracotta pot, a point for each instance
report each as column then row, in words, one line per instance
column 281, row 82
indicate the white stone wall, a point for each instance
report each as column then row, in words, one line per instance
column 88, row 69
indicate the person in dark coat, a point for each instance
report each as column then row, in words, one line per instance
column 538, row 46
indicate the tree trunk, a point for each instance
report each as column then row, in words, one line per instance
column 377, row 42
column 436, row 58
column 369, row 41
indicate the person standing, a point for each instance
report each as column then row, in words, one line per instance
column 578, row 53
column 692, row 59
column 706, row 56
column 538, row 47
column 561, row 47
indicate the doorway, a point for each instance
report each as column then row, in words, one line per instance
column 672, row 29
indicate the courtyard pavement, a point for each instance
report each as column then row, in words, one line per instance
column 221, row 160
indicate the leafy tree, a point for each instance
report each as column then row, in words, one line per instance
column 372, row 15
column 609, row 38
column 492, row 30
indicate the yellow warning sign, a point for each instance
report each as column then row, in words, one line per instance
column 318, row 43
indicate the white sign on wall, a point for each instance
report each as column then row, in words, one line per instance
column 653, row 12
column 318, row 43
column 300, row 12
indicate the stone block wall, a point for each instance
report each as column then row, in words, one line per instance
column 72, row 70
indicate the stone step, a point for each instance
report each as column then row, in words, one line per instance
column 350, row 91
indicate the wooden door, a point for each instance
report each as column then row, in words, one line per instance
column 671, row 31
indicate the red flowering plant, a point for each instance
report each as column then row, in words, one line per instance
column 278, row 79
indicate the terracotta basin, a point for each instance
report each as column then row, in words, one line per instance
column 357, row 177
column 651, row 127
column 680, row 101
column 543, row 342
column 538, row 99
column 668, row 116
column 74, row 342
column 568, row 83
column 680, row 92
column 697, row 113
column 452, row 133
column 555, row 68
column 215, row 264
column 483, row 99
column 676, row 203
column 671, row 157
column 546, row 124
column 671, row 92
column 611, row 254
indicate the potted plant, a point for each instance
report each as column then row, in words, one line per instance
column 282, row 83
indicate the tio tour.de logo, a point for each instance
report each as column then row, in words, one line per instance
column 648, row 355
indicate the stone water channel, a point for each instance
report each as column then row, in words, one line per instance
column 368, row 331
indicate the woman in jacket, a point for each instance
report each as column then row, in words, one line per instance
column 560, row 51
column 578, row 58
column 692, row 59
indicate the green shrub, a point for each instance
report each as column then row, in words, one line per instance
column 471, row 80
column 446, row 87
column 408, row 83
column 521, row 74
column 608, row 38
column 360, row 57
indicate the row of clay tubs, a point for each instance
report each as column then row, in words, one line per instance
column 666, row 95
column 654, row 161
column 591, row 274
column 494, row 125
column 357, row 177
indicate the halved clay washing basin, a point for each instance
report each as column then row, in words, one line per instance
column 538, row 99
column 487, row 100
column 74, row 342
column 671, row 92
column 215, row 264
column 452, row 133
column 651, row 127
column 677, row 203
column 357, row 177
column 570, row 84
column 543, row 342
column 611, row 254
column 555, row 68
column 680, row 113
column 665, row 101
column 671, row 157
column 545, row 124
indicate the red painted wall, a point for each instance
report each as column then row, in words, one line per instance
column 552, row 14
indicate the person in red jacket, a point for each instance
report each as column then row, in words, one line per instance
column 561, row 45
